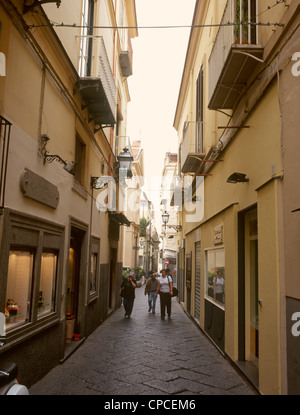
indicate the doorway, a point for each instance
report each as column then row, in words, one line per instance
column 112, row 278
column 248, row 327
column 251, row 288
column 73, row 295
column 188, row 281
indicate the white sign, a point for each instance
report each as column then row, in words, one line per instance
column 2, row 64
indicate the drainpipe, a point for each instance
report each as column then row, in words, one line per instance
column 114, row 75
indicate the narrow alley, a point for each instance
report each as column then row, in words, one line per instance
column 145, row 355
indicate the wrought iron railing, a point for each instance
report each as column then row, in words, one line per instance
column 238, row 27
column 192, row 140
column 98, row 64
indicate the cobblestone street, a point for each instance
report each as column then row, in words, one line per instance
column 145, row 355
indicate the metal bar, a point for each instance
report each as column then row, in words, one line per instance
column 5, row 127
column 234, row 126
column 211, row 161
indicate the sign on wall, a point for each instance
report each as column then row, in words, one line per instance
column 2, row 64
column 218, row 234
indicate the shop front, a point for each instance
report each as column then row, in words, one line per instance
column 31, row 288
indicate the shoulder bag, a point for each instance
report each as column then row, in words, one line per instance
column 175, row 291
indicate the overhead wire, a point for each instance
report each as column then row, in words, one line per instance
column 271, row 7
column 77, row 26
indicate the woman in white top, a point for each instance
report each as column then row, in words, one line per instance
column 165, row 290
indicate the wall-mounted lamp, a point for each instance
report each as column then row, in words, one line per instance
column 165, row 218
column 237, row 178
column 177, row 228
column 101, row 182
column 123, row 166
column 49, row 158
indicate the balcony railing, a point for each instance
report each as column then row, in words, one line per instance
column 98, row 88
column 235, row 54
column 191, row 147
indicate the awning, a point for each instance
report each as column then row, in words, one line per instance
column 120, row 218
column 98, row 101
column 236, row 71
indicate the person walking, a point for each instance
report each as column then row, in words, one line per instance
column 150, row 289
column 165, row 290
column 127, row 291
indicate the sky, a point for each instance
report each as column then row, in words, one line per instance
column 158, row 61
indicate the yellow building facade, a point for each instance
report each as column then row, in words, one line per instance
column 231, row 128
column 63, row 107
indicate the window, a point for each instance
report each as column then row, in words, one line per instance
column 245, row 11
column 46, row 302
column 30, row 263
column 188, row 276
column 19, row 287
column 199, row 112
column 94, row 267
column 80, row 151
column 122, row 25
column 215, row 275
column 86, row 43
column 93, row 273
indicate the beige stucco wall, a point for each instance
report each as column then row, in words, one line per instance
column 269, row 291
column 255, row 151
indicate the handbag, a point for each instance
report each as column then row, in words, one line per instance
column 175, row 291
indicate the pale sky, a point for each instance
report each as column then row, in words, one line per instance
column 158, row 60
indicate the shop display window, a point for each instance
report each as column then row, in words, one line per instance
column 19, row 287
column 31, row 265
column 46, row 301
column 215, row 275
column 93, row 273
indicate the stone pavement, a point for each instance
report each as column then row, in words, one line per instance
column 144, row 355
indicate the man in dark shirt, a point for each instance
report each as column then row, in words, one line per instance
column 150, row 289
column 127, row 290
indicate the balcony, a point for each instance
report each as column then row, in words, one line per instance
column 125, row 59
column 235, row 54
column 98, row 92
column 191, row 147
column 125, row 63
